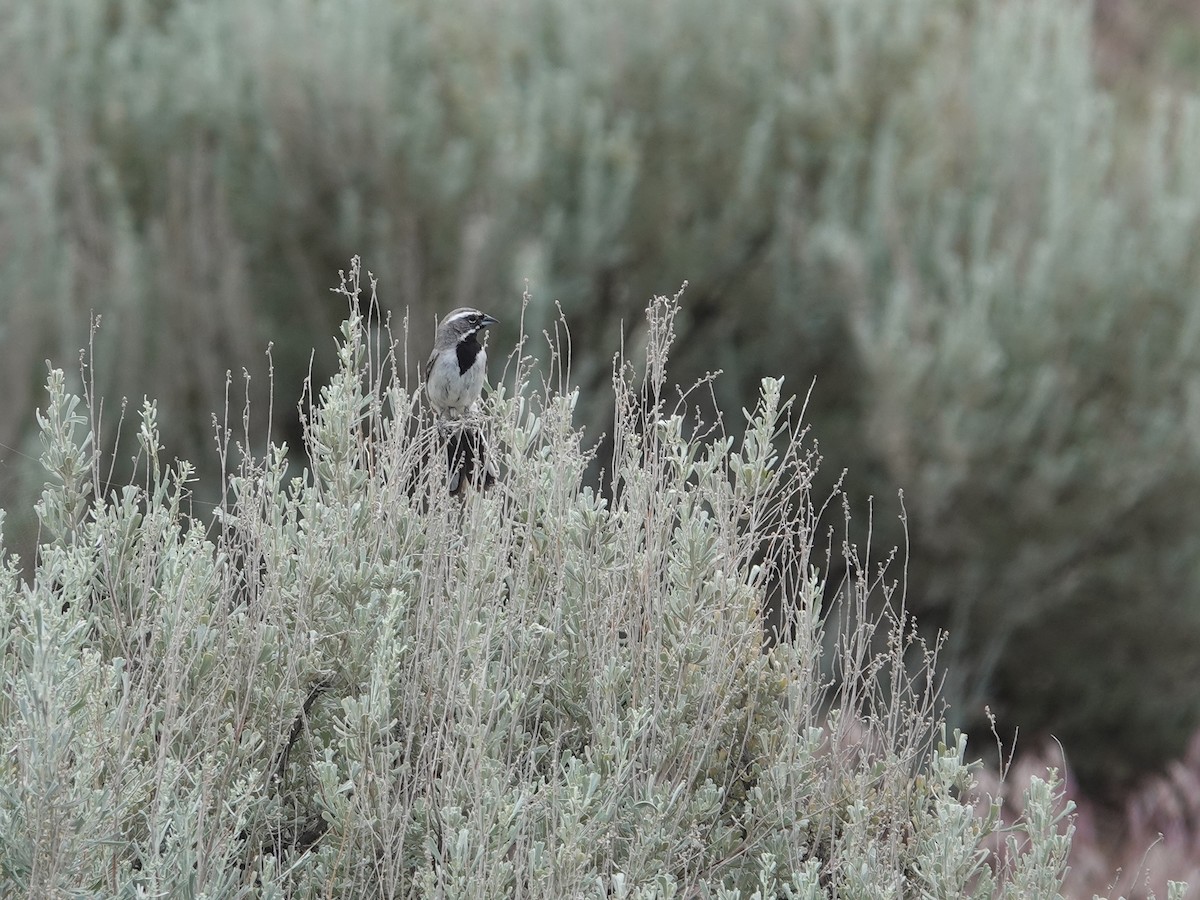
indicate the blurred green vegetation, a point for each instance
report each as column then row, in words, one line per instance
column 933, row 208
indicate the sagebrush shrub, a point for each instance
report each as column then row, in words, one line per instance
column 343, row 682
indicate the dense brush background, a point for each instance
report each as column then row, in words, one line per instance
column 976, row 225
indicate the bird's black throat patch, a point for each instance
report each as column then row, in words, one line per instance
column 468, row 348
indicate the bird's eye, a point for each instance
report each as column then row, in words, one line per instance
column 474, row 320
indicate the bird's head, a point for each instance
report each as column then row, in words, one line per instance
column 461, row 324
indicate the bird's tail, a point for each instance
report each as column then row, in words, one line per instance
column 470, row 459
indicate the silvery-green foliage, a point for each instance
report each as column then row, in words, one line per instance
column 1038, row 859
column 1021, row 290
column 929, row 205
column 348, row 682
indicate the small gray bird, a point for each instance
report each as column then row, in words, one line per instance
column 454, row 378
column 457, row 366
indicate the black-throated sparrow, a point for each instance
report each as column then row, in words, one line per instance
column 457, row 366
column 454, row 379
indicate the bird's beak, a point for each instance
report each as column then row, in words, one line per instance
column 488, row 321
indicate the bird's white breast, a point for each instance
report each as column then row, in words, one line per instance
column 451, row 393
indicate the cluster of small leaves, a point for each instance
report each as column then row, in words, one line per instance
column 346, row 682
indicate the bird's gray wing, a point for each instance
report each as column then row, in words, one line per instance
column 429, row 365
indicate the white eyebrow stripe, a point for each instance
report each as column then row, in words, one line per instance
column 466, row 313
